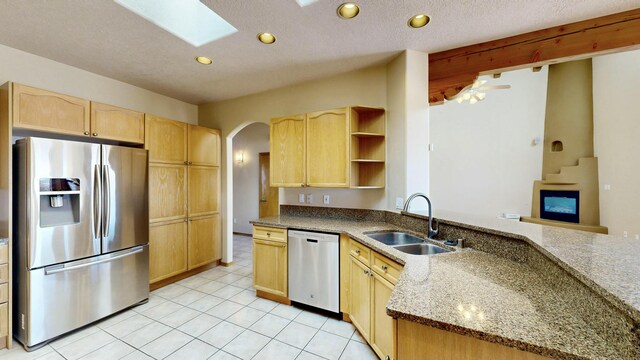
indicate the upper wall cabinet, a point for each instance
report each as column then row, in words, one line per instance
column 328, row 148
column 166, row 140
column 203, row 146
column 343, row 147
column 42, row 110
column 36, row 109
column 288, row 147
column 114, row 123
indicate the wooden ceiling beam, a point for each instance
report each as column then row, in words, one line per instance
column 452, row 70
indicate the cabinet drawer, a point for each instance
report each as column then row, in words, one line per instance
column 360, row 252
column 267, row 233
column 4, row 251
column 387, row 268
column 4, row 273
column 4, row 293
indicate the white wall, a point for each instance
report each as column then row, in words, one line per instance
column 251, row 141
column 484, row 161
column 29, row 69
column 616, row 112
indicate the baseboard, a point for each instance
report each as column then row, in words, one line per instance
column 272, row 297
column 226, row 264
column 345, row 317
column 164, row 282
column 243, row 234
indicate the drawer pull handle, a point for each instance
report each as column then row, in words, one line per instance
column 384, row 267
column 366, row 272
column 358, row 252
column 86, row 133
column 95, row 134
column 269, row 234
column 387, row 357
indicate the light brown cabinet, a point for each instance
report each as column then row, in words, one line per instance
column 167, row 192
column 166, row 140
column 41, row 110
column 371, row 281
column 114, row 123
column 328, row 148
column 270, row 274
column 167, row 249
column 204, row 190
column 204, row 240
column 201, row 145
column 339, row 148
column 181, row 191
column 288, row 151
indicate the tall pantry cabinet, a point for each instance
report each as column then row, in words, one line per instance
column 184, row 196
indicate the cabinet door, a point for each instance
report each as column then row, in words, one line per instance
column 204, row 190
column 383, row 330
column 42, row 110
column 204, row 146
column 166, row 140
column 270, row 266
column 288, row 149
column 167, row 249
column 167, row 192
column 204, row 241
column 114, row 123
column 360, row 297
column 328, row 161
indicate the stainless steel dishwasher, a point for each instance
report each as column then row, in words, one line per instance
column 314, row 276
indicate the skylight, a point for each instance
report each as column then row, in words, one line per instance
column 190, row 20
column 304, row 3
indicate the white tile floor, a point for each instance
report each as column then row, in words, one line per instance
column 212, row 315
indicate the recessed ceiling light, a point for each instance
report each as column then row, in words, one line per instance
column 266, row 38
column 304, row 3
column 190, row 20
column 204, row 60
column 419, row 21
column 348, row 10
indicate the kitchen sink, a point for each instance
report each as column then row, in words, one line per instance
column 421, row 249
column 394, row 238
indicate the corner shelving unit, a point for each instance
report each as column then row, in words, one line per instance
column 368, row 147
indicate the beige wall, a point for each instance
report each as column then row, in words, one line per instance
column 251, row 141
column 29, row 69
column 616, row 105
column 484, row 161
column 363, row 87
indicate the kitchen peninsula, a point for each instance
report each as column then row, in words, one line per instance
column 516, row 287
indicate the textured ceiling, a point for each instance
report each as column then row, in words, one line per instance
column 102, row 37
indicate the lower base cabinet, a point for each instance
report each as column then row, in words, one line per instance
column 181, row 245
column 167, row 249
column 369, row 290
column 270, row 273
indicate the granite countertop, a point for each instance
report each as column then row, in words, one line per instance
column 491, row 298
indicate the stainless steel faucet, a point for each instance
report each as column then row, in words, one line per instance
column 431, row 233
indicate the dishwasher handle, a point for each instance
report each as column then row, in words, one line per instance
column 312, row 241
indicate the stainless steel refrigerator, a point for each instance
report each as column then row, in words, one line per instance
column 81, row 225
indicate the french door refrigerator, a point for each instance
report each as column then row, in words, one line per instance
column 82, row 228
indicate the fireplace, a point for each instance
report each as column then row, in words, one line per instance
column 560, row 205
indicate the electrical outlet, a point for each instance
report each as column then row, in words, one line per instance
column 637, row 236
column 431, row 147
column 625, row 233
column 309, row 198
column 301, row 198
column 326, row 199
column 399, row 203
column 235, row 221
column 607, row 187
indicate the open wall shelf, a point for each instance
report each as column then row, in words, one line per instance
column 368, row 147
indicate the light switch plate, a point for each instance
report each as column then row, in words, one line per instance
column 399, row 203
column 326, row 199
column 301, row 198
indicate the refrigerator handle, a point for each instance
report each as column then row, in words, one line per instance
column 107, row 201
column 97, row 201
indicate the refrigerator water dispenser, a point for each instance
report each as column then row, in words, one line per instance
column 59, row 201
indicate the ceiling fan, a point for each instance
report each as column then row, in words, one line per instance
column 476, row 92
